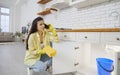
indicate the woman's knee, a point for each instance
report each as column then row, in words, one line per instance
column 39, row 66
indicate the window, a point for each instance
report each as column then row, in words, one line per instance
column 4, row 23
column 5, row 10
column 4, row 19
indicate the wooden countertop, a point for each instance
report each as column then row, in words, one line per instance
column 92, row 30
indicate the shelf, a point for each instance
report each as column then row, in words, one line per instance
column 43, row 1
column 46, row 11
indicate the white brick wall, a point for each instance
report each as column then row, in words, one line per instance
column 97, row 16
column 65, row 18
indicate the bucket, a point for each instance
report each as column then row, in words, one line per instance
column 105, row 66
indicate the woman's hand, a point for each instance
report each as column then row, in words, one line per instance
column 52, row 29
column 41, row 51
column 49, row 51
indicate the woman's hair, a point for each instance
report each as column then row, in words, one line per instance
column 33, row 29
column 46, row 26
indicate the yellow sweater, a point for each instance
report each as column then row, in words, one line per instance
column 34, row 45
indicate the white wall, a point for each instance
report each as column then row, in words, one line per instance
column 12, row 16
column 16, row 18
column 97, row 16
column 22, row 14
column 29, row 11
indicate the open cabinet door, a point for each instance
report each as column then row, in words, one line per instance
column 117, row 63
column 63, row 62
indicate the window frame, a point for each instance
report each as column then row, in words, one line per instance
column 6, row 14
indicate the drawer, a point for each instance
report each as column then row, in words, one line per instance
column 90, row 37
column 67, row 36
column 110, row 38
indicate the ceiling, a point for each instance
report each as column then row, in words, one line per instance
column 9, row 3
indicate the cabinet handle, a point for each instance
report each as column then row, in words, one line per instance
column 76, row 64
column 85, row 37
column 117, row 38
column 76, row 48
column 65, row 35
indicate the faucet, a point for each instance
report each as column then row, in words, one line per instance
column 116, row 14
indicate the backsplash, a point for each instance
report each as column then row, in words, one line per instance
column 105, row 15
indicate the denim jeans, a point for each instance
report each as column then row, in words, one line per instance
column 41, row 66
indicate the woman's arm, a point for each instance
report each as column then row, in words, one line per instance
column 33, row 47
column 54, row 37
column 52, row 29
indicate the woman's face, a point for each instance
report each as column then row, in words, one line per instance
column 40, row 25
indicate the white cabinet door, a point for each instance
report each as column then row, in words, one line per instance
column 67, row 36
column 110, row 38
column 117, row 63
column 85, row 3
column 88, row 37
column 63, row 62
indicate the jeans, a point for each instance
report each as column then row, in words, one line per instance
column 41, row 66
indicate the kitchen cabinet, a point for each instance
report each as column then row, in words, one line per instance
column 75, row 1
column 77, row 53
column 95, row 47
column 110, row 38
column 67, row 36
column 64, row 62
column 118, row 63
column 85, row 3
column 88, row 37
column 60, row 4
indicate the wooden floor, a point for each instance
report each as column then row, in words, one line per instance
column 11, row 59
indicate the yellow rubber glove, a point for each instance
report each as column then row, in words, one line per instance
column 51, row 28
column 49, row 51
column 41, row 52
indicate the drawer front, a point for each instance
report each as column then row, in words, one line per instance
column 110, row 38
column 90, row 37
column 67, row 36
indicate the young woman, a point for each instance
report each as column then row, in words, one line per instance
column 37, row 39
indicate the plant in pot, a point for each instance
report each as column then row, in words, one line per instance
column 18, row 35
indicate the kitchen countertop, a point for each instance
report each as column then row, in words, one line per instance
column 91, row 30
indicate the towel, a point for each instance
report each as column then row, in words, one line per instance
column 49, row 51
